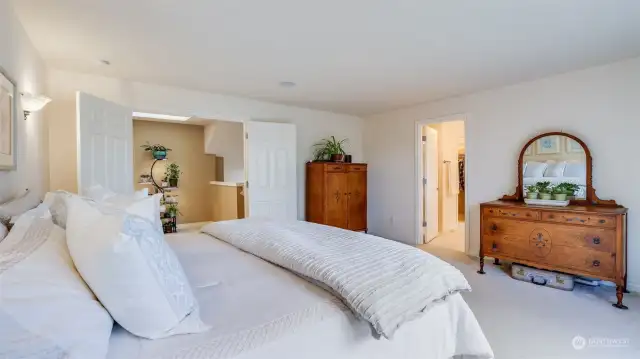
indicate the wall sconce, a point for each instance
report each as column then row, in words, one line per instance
column 33, row 103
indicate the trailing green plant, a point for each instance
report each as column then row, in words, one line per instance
column 172, row 171
column 327, row 147
column 171, row 209
column 544, row 187
column 152, row 148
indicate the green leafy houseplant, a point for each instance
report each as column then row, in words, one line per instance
column 159, row 152
column 532, row 191
column 171, row 210
column 566, row 189
column 329, row 149
column 172, row 174
column 545, row 189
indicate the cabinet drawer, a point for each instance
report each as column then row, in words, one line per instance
column 581, row 259
column 357, row 168
column 518, row 213
column 598, row 239
column 580, row 218
column 335, row 168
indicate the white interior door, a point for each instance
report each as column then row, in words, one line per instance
column 271, row 170
column 430, row 186
column 104, row 142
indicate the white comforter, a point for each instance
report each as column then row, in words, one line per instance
column 260, row 311
column 384, row 282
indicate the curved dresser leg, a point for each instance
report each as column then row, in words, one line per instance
column 481, row 271
column 619, row 294
column 496, row 261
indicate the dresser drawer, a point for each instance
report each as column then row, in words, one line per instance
column 357, row 168
column 519, row 213
column 540, row 251
column 335, row 168
column 580, row 218
column 598, row 239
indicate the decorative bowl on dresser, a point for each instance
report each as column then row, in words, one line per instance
column 587, row 238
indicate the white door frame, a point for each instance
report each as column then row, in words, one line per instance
column 418, row 174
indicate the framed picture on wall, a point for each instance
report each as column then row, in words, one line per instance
column 548, row 145
column 8, row 96
column 573, row 146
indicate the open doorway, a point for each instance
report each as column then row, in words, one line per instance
column 442, row 183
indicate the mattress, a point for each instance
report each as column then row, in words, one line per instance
column 258, row 310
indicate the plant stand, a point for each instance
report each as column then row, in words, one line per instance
column 169, row 224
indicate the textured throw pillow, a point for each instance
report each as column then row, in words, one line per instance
column 58, row 207
column 46, row 309
column 132, row 270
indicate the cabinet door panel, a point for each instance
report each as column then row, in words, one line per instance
column 336, row 199
column 357, row 183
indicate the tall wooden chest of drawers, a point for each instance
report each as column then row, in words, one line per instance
column 582, row 240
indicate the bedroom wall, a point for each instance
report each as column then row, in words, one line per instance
column 198, row 169
column 23, row 64
column 225, row 139
column 600, row 105
column 311, row 125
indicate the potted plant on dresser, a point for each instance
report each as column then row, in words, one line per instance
column 545, row 189
column 172, row 174
column 159, row 152
column 330, row 149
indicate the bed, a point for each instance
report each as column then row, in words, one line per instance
column 259, row 310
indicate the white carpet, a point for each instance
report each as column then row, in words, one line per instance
column 522, row 320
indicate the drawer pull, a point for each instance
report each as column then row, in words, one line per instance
column 551, row 216
column 602, row 221
column 596, row 263
column 494, row 227
column 596, row 240
column 494, row 246
column 576, row 219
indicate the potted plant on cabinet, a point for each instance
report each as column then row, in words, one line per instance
column 566, row 188
column 532, row 192
column 330, row 148
column 172, row 174
column 545, row 189
column 159, row 152
column 171, row 210
column 560, row 193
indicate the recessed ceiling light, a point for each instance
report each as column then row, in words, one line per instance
column 287, row 84
column 105, row 62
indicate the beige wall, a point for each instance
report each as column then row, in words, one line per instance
column 187, row 143
column 226, row 139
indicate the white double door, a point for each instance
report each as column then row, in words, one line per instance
column 105, row 157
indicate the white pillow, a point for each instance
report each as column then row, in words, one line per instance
column 17, row 206
column 3, row 231
column 46, row 309
column 535, row 169
column 132, row 270
column 576, row 169
column 555, row 169
column 99, row 193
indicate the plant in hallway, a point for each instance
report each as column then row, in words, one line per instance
column 171, row 210
column 532, row 191
column 159, row 152
column 329, row 149
column 172, row 174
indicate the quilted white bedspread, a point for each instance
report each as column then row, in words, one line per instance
column 383, row 282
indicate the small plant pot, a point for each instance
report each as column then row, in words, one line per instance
column 546, row 196
column 532, row 195
column 173, row 182
column 560, row 196
column 337, row 158
column 159, row 155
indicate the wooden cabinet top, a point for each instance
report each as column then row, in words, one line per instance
column 335, row 163
column 581, row 209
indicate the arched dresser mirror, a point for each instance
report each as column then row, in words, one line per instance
column 554, row 220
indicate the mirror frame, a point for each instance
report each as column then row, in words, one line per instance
column 591, row 200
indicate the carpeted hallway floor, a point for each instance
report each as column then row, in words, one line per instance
column 525, row 321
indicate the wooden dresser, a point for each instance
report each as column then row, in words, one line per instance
column 582, row 240
column 337, row 194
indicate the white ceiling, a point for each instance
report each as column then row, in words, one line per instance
column 348, row 56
